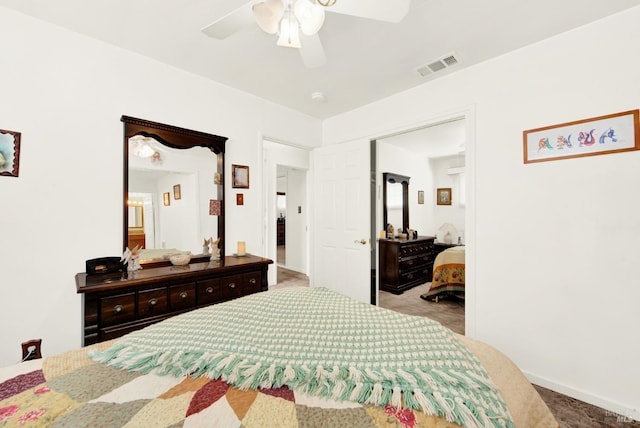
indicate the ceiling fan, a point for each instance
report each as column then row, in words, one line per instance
column 297, row 22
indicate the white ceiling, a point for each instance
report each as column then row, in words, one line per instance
column 366, row 60
column 437, row 141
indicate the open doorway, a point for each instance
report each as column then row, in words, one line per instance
column 286, row 211
column 433, row 157
column 291, row 218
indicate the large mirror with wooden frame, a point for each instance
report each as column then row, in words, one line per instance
column 395, row 201
column 173, row 190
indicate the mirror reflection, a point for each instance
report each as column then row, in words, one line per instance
column 176, row 220
column 173, row 191
column 394, row 205
column 395, row 202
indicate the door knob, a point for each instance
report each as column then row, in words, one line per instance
column 361, row 241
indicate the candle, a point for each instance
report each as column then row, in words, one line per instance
column 242, row 248
column 383, row 234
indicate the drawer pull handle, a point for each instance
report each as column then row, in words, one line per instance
column 183, row 295
column 252, row 281
column 209, row 290
column 117, row 309
column 153, row 302
column 232, row 285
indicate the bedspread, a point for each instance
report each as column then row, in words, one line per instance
column 448, row 274
column 71, row 389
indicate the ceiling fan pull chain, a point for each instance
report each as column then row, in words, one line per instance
column 326, row 3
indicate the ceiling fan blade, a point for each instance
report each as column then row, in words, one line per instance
column 380, row 10
column 311, row 51
column 231, row 23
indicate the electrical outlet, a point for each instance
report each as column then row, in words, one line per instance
column 31, row 349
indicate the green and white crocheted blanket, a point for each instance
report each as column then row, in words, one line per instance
column 317, row 341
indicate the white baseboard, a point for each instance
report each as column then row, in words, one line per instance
column 622, row 412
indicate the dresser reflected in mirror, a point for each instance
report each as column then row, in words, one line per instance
column 173, row 190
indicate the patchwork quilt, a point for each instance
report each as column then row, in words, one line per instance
column 74, row 390
column 71, row 390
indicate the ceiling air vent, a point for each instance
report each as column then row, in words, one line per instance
column 437, row 65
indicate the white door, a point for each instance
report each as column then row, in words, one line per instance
column 341, row 247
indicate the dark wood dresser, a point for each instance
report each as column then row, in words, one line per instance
column 405, row 263
column 116, row 304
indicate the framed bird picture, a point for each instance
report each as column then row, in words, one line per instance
column 618, row 132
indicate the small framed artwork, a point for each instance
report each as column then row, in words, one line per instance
column 215, row 207
column 421, row 196
column 240, row 176
column 166, row 198
column 443, row 196
column 618, row 132
column 9, row 153
column 176, row 192
column 240, row 199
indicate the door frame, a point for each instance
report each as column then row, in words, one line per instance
column 269, row 209
column 469, row 115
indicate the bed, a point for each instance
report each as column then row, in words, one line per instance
column 286, row 358
column 448, row 275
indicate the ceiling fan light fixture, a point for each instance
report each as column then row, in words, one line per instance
column 268, row 14
column 309, row 15
column 289, row 33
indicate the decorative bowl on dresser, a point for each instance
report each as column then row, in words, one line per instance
column 405, row 263
column 118, row 303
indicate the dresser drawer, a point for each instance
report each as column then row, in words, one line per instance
column 182, row 296
column 152, row 302
column 118, row 309
column 419, row 276
column 251, row 283
column 420, row 248
column 231, row 287
column 208, row 291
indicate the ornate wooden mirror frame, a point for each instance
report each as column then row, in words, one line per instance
column 391, row 178
column 177, row 138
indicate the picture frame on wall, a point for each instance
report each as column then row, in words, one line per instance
column 443, row 196
column 9, row 153
column 240, row 176
column 166, row 197
column 177, row 194
column 421, row 196
column 612, row 133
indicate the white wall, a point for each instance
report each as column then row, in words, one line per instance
column 454, row 213
column 66, row 93
column 551, row 247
